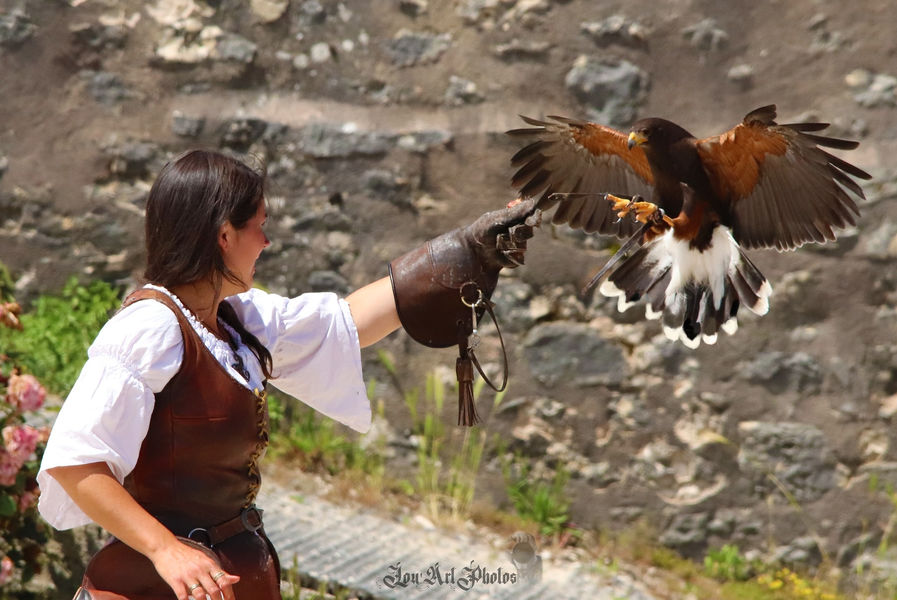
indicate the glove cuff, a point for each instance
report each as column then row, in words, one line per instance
column 429, row 284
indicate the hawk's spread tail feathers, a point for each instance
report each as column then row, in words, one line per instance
column 695, row 293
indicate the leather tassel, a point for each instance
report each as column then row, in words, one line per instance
column 467, row 410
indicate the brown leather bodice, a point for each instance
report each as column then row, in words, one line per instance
column 198, row 465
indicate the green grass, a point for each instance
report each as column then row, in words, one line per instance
column 541, row 502
column 58, row 329
column 302, row 434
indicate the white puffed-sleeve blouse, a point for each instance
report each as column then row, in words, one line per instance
column 312, row 340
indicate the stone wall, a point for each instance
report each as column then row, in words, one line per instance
column 381, row 125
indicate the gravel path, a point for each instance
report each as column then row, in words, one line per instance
column 362, row 551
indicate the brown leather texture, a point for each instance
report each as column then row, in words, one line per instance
column 117, row 572
column 198, row 467
column 427, row 284
column 205, row 432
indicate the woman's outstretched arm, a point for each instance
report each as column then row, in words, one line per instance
column 374, row 311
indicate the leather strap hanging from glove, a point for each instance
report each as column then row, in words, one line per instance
column 443, row 288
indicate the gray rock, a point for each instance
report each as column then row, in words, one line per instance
column 236, row 48
column 742, row 75
column 301, row 61
column 313, row 12
column 423, row 141
column 388, row 186
column 718, row 402
column 512, row 300
column 327, row 281
column 241, row 133
column 873, row 90
column 99, row 36
column 474, row 12
column 630, row 411
column 322, row 140
column 600, row 474
column 462, row 91
column 323, row 219
column 409, row 48
column 612, row 89
column 564, row 352
column 615, row 29
column 858, row 79
column 802, row 551
column 132, row 159
column 531, row 439
column 881, row 242
column 723, row 524
column 849, row 552
column 106, row 88
column 705, row 35
column 627, row 514
column 108, row 234
column 15, row 28
column 796, row 454
column 523, row 50
column 320, row 53
column 828, row 41
column 184, row 126
column 413, row 8
column 780, row 372
column 686, row 532
column 268, row 11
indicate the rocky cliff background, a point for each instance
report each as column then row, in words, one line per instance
column 381, row 124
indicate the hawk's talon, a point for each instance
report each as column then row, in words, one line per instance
column 622, row 206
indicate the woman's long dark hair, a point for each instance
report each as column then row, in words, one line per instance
column 193, row 196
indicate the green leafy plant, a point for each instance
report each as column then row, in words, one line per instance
column 541, row 502
column 446, row 484
column 315, row 441
column 727, row 564
column 749, row 579
column 23, row 545
column 58, row 330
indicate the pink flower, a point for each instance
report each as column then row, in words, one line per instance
column 27, row 500
column 5, row 569
column 25, row 392
column 20, row 441
column 9, row 468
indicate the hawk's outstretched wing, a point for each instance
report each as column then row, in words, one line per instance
column 585, row 161
column 782, row 189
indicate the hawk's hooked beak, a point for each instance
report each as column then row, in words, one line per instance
column 636, row 139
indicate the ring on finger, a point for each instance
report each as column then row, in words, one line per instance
column 217, row 576
column 193, row 587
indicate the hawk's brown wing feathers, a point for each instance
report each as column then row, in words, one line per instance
column 584, row 160
column 782, row 188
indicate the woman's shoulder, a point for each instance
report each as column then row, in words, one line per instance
column 142, row 330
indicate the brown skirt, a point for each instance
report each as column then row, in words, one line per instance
column 118, row 572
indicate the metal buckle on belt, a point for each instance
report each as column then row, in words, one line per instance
column 205, row 539
column 248, row 512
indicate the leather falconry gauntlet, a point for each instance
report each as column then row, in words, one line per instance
column 443, row 288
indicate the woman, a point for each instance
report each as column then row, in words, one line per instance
column 162, row 433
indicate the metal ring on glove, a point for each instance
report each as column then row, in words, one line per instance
column 476, row 303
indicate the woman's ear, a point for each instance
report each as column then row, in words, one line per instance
column 225, row 236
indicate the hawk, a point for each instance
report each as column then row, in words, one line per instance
column 703, row 202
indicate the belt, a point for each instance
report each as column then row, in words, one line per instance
column 249, row 519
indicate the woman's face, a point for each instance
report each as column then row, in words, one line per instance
column 240, row 248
